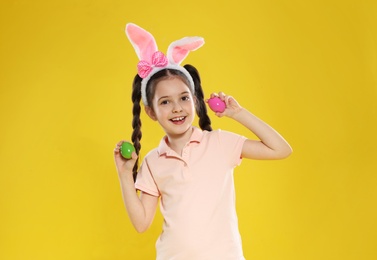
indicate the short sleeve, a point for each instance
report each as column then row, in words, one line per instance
column 231, row 144
column 145, row 181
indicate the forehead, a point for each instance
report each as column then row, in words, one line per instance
column 171, row 87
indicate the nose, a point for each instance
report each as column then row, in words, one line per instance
column 177, row 108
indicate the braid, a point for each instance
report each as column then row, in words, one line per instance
column 136, row 122
column 201, row 108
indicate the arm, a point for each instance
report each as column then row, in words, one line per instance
column 271, row 145
column 141, row 210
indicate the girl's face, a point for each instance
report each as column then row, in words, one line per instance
column 173, row 107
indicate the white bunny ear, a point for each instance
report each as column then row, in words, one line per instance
column 178, row 50
column 142, row 41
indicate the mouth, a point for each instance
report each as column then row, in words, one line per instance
column 178, row 120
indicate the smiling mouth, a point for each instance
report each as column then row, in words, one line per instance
column 178, row 120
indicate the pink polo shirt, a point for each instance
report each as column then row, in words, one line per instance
column 197, row 196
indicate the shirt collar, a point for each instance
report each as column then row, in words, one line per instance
column 196, row 137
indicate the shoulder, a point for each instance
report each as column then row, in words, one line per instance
column 221, row 134
column 221, row 138
column 151, row 156
column 224, row 146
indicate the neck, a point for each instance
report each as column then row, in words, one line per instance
column 177, row 142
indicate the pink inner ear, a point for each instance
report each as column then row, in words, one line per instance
column 142, row 41
column 179, row 53
column 192, row 45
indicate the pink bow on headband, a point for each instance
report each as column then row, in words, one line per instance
column 158, row 60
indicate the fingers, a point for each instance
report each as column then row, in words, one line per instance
column 134, row 156
column 220, row 95
column 231, row 105
column 117, row 150
column 118, row 145
column 213, row 95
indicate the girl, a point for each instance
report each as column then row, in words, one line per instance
column 192, row 169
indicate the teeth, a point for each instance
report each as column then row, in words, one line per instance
column 178, row 118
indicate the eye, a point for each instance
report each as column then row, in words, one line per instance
column 164, row 102
column 186, row 98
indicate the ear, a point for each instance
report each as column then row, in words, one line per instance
column 195, row 99
column 142, row 41
column 178, row 50
column 149, row 111
column 197, row 104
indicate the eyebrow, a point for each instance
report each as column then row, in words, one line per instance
column 183, row 93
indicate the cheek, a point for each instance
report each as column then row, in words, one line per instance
column 190, row 106
column 162, row 111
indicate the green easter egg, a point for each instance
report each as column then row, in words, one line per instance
column 126, row 150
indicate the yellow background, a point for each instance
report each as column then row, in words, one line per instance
column 308, row 68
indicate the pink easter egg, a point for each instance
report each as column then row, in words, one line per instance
column 216, row 104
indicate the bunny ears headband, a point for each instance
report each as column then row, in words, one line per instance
column 152, row 61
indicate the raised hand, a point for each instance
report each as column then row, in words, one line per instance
column 123, row 165
column 232, row 107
